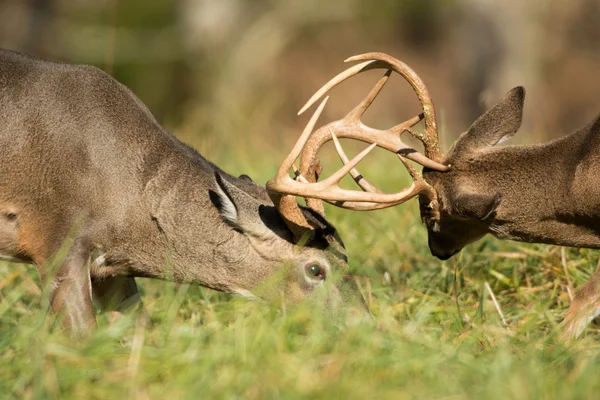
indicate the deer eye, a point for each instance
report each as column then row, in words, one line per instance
column 315, row 271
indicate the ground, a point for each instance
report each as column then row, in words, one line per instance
column 436, row 331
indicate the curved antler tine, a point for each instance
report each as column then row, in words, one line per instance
column 409, row 123
column 286, row 205
column 305, row 184
column 430, row 139
column 360, row 109
column 411, row 192
column 339, row 78
column 423, row 160
column 297, row 149
column 339, row 174
column 357, row 176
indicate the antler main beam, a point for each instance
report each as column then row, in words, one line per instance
column 351, row 127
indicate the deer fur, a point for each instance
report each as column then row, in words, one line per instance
column 85, row 166
column 541, row 193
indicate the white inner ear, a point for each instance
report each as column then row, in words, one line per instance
column 504, row 138
column 227, row 209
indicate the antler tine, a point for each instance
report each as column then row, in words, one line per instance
column 409, row 123
column 415, row 189
column 339, row 174
column 432, row 156
column 286, row 205
column 357, row 176
column 282, row 187
column 339, row 78
column 297, row 149
column 360, row 109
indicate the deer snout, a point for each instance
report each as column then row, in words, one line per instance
column 351, row 304
column 444, row 256
column 441, row 252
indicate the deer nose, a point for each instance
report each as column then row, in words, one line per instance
column 441, row 253
column 443, row 256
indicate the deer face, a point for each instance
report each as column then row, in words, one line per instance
column 312, row 268
column 465, row 198
column 317, row 273
column 457, row 217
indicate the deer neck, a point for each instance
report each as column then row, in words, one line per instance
column 549, row 192
column 184, row 238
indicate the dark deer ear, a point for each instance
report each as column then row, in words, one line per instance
column 475, row 205
column 494, row 126
column 245, row 177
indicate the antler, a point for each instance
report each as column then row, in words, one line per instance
column 305, row 182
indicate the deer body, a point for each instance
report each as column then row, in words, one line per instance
column 542, row 193
column 81, row 157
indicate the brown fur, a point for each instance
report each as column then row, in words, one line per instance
column 82, row 159
column 543, row 193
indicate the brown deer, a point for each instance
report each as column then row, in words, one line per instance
column 85, row 166
column 81, row 157
column 543, row 193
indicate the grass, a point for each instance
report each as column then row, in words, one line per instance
column 436, row 331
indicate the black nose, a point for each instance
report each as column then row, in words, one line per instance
column 444, row 256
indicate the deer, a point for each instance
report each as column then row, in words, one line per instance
column 82, row 160
column 538, row 193
column 95, row 193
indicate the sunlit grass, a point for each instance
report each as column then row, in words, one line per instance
column 436, row 332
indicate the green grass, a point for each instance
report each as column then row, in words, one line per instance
column 436, row 332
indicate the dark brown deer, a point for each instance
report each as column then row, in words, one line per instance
column 543, row 193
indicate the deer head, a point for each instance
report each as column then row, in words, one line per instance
column 470, row 193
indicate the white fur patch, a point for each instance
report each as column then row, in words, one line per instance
column 227, row 207
column 100, row 260
column 245, row 293
column 89, row 282
column 582, row 326
column 9, row 258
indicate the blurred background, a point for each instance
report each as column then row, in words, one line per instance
column 216, row 70
column 228, row 76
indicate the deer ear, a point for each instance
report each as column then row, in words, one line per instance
column 476, row 205
column 496, row 125
column 240, row 210
column 246, row 178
